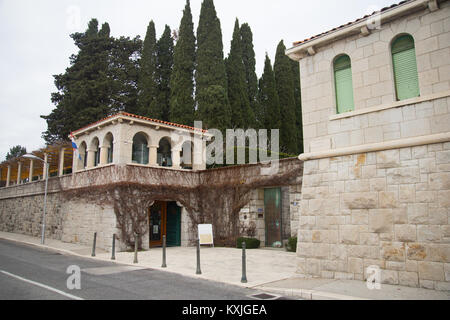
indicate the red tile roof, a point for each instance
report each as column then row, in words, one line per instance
column 350, row 23
column 142, row 118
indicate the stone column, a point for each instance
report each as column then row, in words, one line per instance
column 19, row 172
column 153, row 155
column 8, row 175
column 103, row 155
column 176, row 158
column 61, row 162
column 90, row 158
column 30, row 172
column 44, row 170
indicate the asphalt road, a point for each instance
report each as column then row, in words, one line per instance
column 32, row 273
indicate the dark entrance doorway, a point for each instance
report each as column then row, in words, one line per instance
column 165, row 220
column 273, row 221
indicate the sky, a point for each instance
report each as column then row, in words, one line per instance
column 35, row 42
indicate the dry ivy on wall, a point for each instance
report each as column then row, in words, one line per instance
column 213, row 196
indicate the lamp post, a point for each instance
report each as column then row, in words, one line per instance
column 32, row 156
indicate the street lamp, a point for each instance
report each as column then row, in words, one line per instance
column 33, row 157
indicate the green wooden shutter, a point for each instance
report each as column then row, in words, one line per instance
column 343, row 84
column 405, row 68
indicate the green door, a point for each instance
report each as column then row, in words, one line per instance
column 272, row 209
column 173, row 225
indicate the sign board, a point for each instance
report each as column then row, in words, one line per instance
column 205, row 234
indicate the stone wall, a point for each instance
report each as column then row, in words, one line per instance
column 389, row 208
column 253, row 213
column 374, row 88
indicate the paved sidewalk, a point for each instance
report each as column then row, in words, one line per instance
column 267, row 270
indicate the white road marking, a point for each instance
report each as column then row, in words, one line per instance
column 43, row 286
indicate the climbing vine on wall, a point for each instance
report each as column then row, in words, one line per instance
column 213, row 196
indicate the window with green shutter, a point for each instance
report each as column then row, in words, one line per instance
column 343, row 84
column 405, row 68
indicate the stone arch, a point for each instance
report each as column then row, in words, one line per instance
column 140, row 150
column 108, row 145
column 164, row 153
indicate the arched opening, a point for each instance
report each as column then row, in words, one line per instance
column 95, row 147
column 343, row 84
column 109, row 145
column 164, row 155
column 405, row 67
column 187, row 155
column 83, row 153
column 140, row 149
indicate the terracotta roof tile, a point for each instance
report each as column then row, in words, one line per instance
column 142, row 118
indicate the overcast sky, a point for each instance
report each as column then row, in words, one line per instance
column 35, row 42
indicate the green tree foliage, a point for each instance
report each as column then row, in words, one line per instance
column 93, row 86
column 164, row 58
column 242, row 115
column 211, row 78
column 285, row 87
column 15, row 152
column 298, row 105
column 182, row 105
column 147, row 79
column 249, row 60
column 269, row 116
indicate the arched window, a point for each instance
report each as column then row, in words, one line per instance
column 343, row 84
column 96, row 147
column 140, row 149
column 164, row 153
column 405, row 67
column 83, row 154
column 109, row 144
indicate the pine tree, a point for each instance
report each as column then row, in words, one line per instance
column 164, row 50
column 84, row 90
column 211, row 79
column 269, row 115
column 147, row 82
column 242, row 115
column 298, row 104
column 248, row 57
column 182, row 106
column 285, row 87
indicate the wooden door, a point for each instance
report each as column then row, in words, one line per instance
column 158, row 223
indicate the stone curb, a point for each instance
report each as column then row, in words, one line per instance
column 308, row 294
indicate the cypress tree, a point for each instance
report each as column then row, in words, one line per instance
column 249, row 60
column 242, row 115
column 211, row 79
column 298, row 104
column 147, row 82
column 285, row 87
column 269, row 116
column 164, row 49
column 182, row 106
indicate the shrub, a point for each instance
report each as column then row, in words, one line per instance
column 250, row 243
column 292, row 244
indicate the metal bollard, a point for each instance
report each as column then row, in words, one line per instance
column 135, row 248
column 244, row 266
column 164, row 265
column 93, row 245
column 199, row 271
column 113, row 256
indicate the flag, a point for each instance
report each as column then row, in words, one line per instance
column 75, row 148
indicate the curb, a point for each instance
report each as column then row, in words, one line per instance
column 308, row 294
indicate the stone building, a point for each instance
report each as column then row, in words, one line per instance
column 129, row 149
column 376, row 123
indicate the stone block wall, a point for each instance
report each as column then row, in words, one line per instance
column 389, row 208
column 253, row 213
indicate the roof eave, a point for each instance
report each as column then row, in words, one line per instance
column 310, row 47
